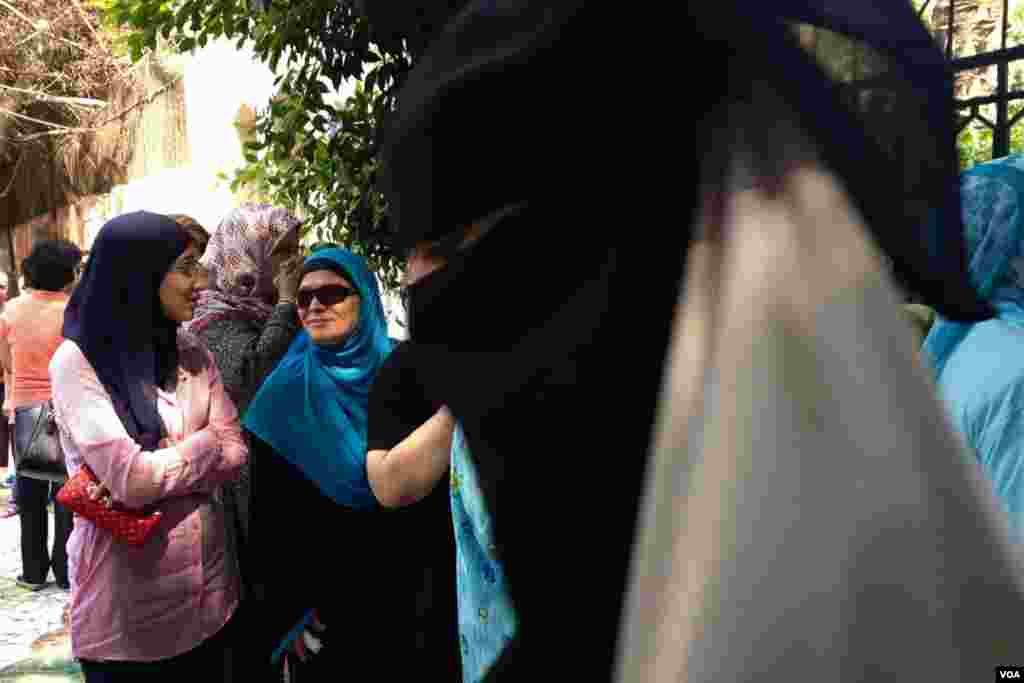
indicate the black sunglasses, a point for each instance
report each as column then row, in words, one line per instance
column 328, row 295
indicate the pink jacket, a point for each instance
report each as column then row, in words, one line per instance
column 166, row 597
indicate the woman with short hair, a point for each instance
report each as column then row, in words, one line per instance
column 30, row 332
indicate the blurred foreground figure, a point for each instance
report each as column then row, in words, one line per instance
column 811, row 514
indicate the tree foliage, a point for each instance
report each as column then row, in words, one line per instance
column 310, row 153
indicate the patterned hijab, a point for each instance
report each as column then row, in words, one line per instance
column 241, row 283
column 993, row 218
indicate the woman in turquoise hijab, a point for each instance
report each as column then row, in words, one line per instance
column 980, row 367
column 321, row 537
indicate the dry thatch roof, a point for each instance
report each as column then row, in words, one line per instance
column 75, row 117
column 141, row 130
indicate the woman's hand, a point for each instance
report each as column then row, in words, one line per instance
column 307, row 644
column 99, row 492
column 288, row 278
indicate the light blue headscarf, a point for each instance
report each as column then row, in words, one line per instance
column 312, row 408
column 992, row 196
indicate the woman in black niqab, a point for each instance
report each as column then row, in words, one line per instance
column 590, row 134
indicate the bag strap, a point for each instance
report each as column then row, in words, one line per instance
column 45, row 411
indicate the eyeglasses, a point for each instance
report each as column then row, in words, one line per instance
column 188, row 265
column 328, row 295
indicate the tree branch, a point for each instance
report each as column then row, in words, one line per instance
column 146, row 100
column 32, row 74
column 29, row 37
column 46, row 26
column 14, row 175
column 80, row 101
column 14, row 10
column 81, row 47
column 88, row 23
column 33, row 120
column 64, row 130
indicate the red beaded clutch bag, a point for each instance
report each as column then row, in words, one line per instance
column 127, row 525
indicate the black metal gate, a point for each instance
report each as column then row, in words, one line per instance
column 970, row 109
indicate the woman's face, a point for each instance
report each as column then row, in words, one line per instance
column 328, row 322
column 181, row 286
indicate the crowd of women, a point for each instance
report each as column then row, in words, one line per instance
column 175, row 365
column 710, row 453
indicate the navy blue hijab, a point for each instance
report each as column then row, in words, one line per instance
column 115, row 317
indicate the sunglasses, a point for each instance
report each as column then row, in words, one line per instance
column 328, row 295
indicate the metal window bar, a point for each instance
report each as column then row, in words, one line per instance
column 968, row 109
column 1001, row 59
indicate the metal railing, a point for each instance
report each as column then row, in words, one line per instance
column 969, row 110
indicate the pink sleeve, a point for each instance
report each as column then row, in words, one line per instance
column 135, row 478
column 225, row 428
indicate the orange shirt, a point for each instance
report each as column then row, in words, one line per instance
column 32, row 325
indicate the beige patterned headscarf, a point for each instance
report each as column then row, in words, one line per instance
column 237, row 260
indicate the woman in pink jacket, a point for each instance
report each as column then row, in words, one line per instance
column 142, row 404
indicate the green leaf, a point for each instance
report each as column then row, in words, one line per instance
column 325, row 178
column 135, row 44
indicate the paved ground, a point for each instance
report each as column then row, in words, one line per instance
column 34, row 645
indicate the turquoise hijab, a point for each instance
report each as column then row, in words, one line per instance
column 312, row 408
column 992, row 197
